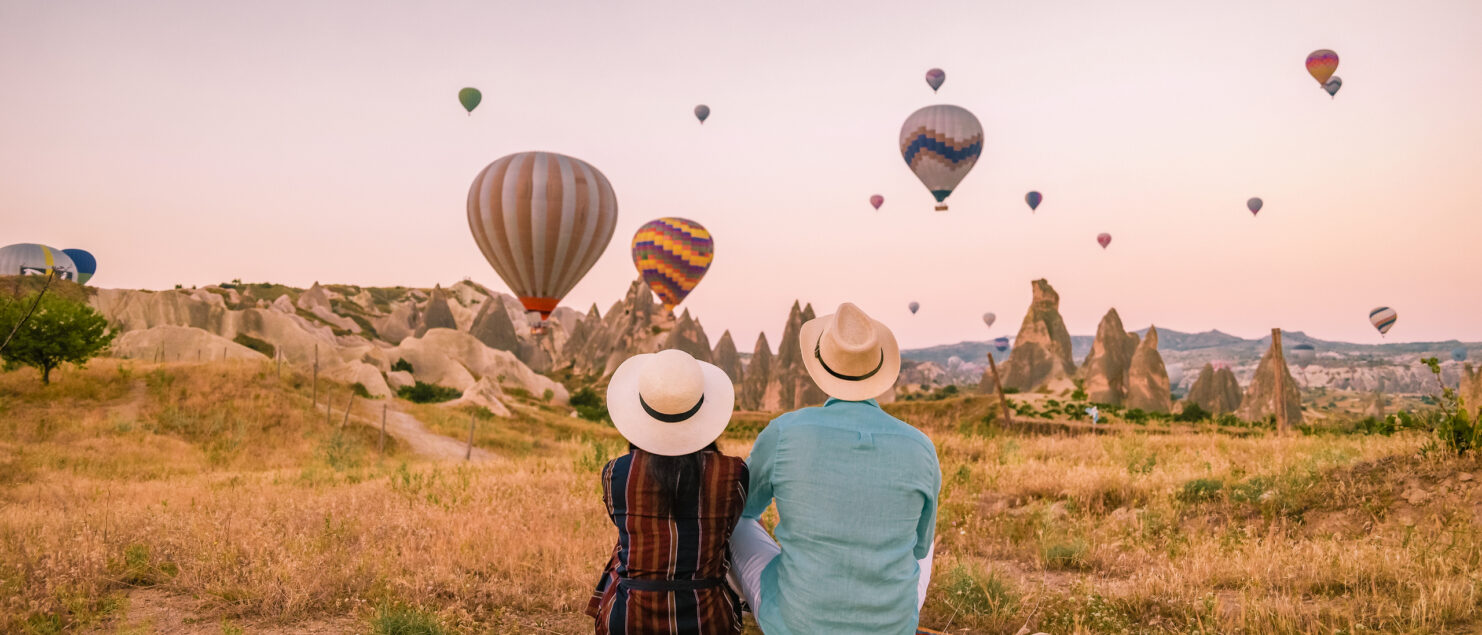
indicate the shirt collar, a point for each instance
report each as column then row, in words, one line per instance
column 833, row 400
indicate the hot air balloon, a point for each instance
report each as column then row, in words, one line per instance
column 1254, row 205
column 914, row 306
column 877, row 201
column 672, row 254
column 940, row 144
column 1383, row 318
column 1303, row 354
column 86, row 264
column 541, row 219
column 30, row 259
column 1333, row 85
column 702, row 112
column 989, row 318
column 935, row 77
column 470, row 98
column 1002, row 344
column 1459, row 354
column 1321, row 64
column 1033, row 198
column 1104, row 239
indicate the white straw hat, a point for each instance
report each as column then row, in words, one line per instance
column 849, row 355
column 669, row 403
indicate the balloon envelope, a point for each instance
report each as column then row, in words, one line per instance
column 1459, row 354
column 541, row 219
column 86, row 264
column 935, row 77
column 989, row 318
column 1383, row 318
column 940, row 144
column 1033, row 198
column 1254, row 205
column 1104, row 239
column 877, row 201
column 702, row 112
column 1303, row 354
column 1321, row 64
column 672, row 254
column 914, row 306
column 470, row 98
column 31, row 259
column 1002, row 344
column 1333, row 85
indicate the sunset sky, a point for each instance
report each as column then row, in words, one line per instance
column 192, row 142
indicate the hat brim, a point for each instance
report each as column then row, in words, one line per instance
column 659, row 437
column 875, row 386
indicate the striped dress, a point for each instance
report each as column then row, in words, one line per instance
column 688, row 555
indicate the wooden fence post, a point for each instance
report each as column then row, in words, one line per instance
column 347, row 411
column 328, row 409
column 315, row 398
column 468, row 454
column 381, row 443
column 1003, row 401
column 1280, row 359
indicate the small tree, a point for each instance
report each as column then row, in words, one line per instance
column 60, row 331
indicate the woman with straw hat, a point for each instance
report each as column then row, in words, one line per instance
column 674, row 499
column 856, row 493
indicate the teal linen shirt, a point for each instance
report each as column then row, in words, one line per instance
column 856, row 493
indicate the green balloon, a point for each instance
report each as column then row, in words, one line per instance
column 470, row 98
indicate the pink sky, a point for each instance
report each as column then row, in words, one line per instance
column 302, row 141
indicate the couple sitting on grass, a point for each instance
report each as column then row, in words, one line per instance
column 856, row 493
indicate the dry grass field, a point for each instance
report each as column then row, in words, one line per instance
column 143, row 498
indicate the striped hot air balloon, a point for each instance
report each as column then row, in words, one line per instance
column 672, row 254
column 1033, row 198
column 541, row 219
column 940, row 144
column 31, row 259
column 935, row 77
column 1321, row 64
column 1002, row 344
column 877, row 201
column 1383, row 318
column 1333, row 85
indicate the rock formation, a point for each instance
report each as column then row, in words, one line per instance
column 179, row 343
column 752, row 394
column 689, row 336
column 1261, row 395
column 1147, row 378
column 1471, row 391
column 436, row 315
column 781, row 382
column 1106, row 368
column 458, row 360
column 1041, row 355
column 1215, row 391
column 493, row 327
column 636, row 324
column 726, row 357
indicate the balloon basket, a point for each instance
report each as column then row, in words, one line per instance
column 941, row 208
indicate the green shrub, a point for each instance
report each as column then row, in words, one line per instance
column 1453, row 426
column 1065, row 555
column 399, row 619
column 1011, row 390
column 1192, row 413
column 589, row 405
column 1200, row 490
column 970, row 591
column 255, row 344
column 360, row 390
column 59, row 331
column 427, row 393
column 402, row 364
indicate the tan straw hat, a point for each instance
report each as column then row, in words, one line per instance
column 849, row 355
column 669, row 403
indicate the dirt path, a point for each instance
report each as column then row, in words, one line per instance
column 423, row 442
column 157, row 611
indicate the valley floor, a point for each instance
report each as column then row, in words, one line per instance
column 214, row 499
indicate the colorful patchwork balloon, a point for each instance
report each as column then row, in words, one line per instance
column 470, row 98
column 877, row 201
column 1383, row 318
column 1033, row 198
column 672, row 255
column 702, row 112
column 1321, row 64
column 940, row 144
column 935, row 77
column 542, row 220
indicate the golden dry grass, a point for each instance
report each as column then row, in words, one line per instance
column 218, row 485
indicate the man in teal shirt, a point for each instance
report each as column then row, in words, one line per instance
column 856, row 493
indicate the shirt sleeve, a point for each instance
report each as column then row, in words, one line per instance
column 926, row 527
column 759, row 464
